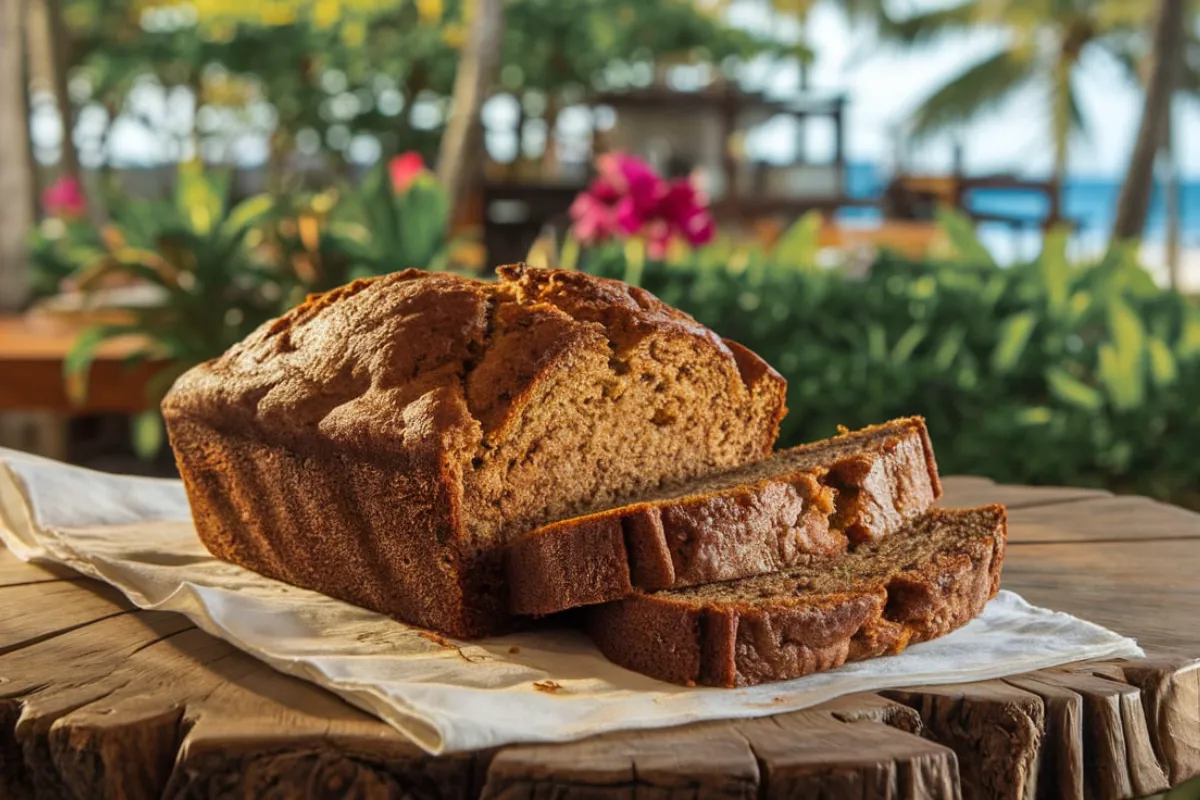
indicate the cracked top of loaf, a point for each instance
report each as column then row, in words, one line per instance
column 391, row 363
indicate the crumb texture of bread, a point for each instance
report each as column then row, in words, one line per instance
column 928, row 579
column 382, row 442
column 810, row 501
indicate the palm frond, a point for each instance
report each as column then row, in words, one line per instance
column 929, row 25
column 1189, row 75
column 981, row 86
column 1132, row 14
column 1126, row 51
column 1075, row 109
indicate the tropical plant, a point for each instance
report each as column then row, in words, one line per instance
column 1167, row 57
column 1044, row 372
column 197, row 252
column 397, row 218
column 1045, row 41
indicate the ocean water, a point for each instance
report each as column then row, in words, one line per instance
column 1090, row 203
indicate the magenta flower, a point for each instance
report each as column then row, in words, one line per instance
column 686, row 211
column 629, row 198
column 404, row 169
column 64, row 198
column 594, row 219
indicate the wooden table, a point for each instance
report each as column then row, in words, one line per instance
column 32, row 351
column 100, row 700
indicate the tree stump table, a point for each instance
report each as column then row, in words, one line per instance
column 98, row 699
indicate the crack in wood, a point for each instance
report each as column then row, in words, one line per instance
column 36, row 640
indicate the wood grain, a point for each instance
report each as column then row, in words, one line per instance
column 100, row 700
column 995, row 728
column 1170, row 690
column 33, row 611
column 32, row 350
column 968, row 491
column 1147, row 590
column 14, row 572
column 1103, row 519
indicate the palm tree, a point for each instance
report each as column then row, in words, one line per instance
column 459, row 156
column 16, row 174
column 1167, row 58
column 1045, row 40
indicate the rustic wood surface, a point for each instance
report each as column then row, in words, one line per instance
column 98, row 699
column 32, row 350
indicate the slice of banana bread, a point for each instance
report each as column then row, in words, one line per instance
column 923, row 582
column 809, row 501
column 383, row 442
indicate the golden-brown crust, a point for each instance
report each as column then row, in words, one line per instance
column 401, row 403
column 734, row 635
column 745, row 526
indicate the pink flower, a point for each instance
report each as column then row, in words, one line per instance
column 629, row 198
column 686, row 211
column 404, row 169
column 64, row 198
column 594, row 219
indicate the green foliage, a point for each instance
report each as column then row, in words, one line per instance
column 1042, row 372
column 195, row 251
column 407, row 229
column 222, row 269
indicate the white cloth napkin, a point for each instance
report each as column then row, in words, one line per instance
column 136, row 534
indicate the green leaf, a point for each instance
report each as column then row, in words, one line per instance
column 798, row 246
column 976, row 89
column 1079, row 304
column 1035, row 415
column 961, row 233
column 948, row 349
column 1189, row 338
column 147, row 434
column 876, row 342
column 1126, row 328
column 1073, row 391
column 79, row 358
column 198, row 198
column 244, row 216
column 1014, row 336
column 1163, row 369
column 635, row 261
column 1123, row 382
column 422, row 218
column 908, row 342
column 1053, row 269
column 568, row 257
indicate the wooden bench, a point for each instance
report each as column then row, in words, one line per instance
column 98, row 699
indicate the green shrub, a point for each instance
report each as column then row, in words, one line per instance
column 1043, row 372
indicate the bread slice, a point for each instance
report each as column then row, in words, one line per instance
column 815, row 499
column 923, row 582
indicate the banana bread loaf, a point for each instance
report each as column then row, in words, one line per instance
column 920, row 583
column 382, row 442
column 809, row 501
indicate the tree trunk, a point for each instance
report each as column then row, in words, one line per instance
column 1061, row 133
column 16, row 180
column 1167, row 57
column 56, row 36
column 549, row 169
column 1172, row 202
column 460, row 157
